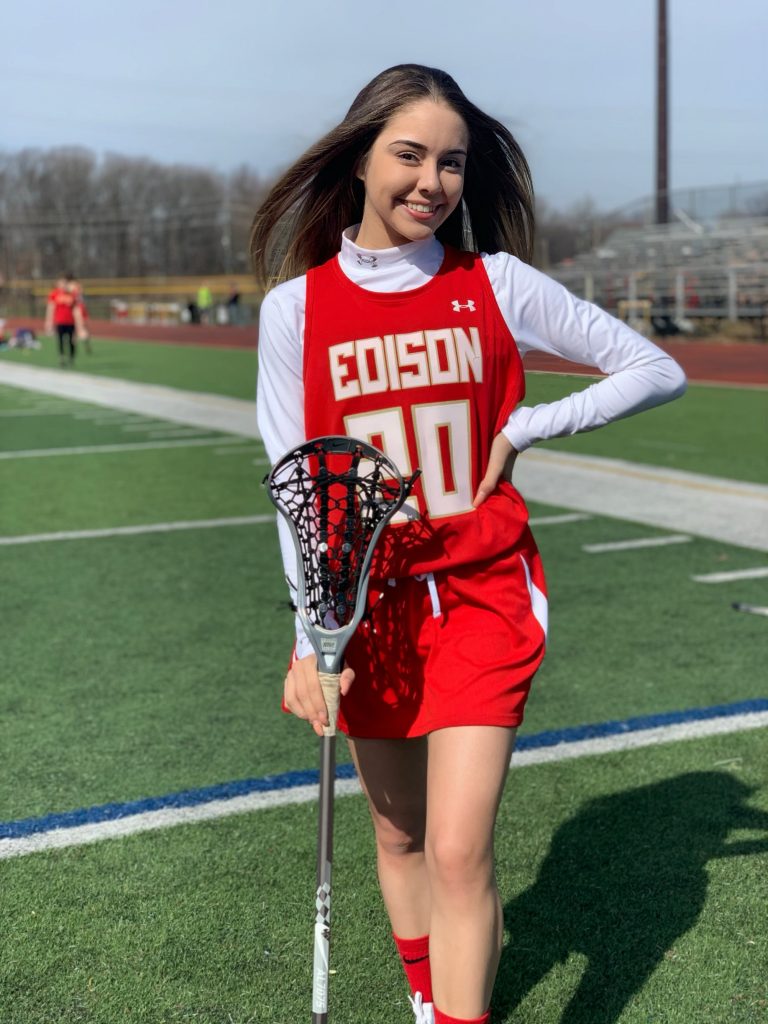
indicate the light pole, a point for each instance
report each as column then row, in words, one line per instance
column 662, row 120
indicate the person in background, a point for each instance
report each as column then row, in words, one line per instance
column 205, row 303
column 233, row 304
column 63, row 314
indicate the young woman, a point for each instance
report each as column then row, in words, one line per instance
column 405, row 302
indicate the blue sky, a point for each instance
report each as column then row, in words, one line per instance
column 253, row 81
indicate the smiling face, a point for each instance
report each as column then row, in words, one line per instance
column 413, row 175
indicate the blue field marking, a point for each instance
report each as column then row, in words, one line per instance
column 292, row 780
column 577, row 733
column 185, row 798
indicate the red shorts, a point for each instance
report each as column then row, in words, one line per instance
column 470, row 661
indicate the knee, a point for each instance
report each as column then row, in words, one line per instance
column 398, row 838
column 457, row 862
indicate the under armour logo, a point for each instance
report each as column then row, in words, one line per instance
column 458, row 306
column 367, row 261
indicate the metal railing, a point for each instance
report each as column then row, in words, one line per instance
column 731, row 293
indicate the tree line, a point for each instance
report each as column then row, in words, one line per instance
column 66, row 210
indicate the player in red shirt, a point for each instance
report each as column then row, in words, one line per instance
column 408, row 338
column 64, row 313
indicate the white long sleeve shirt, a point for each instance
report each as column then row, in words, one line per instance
column 540, row 313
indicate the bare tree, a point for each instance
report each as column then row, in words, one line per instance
column 562, row 234
column 62, row 209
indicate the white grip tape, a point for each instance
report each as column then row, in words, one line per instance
column 331, row 685
column 320, row 970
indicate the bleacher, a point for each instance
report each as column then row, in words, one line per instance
column 680, row 274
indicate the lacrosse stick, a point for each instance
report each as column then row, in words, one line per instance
column 337, row 494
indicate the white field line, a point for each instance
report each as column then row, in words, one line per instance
column 81, row 835
column 111, row 449
column 566, row 517
column 115, row 421
column 638, row 542
column 642, row 738
column 735, row 574
column 244, row 449
column 105, row 416
column 132, row 531
column 97, row 413
column 728, row 511
column 13, row 413
column 137, row 426
column 196, row 409
column 179, row 432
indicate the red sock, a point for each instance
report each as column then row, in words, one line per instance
column 414, row 956
column 443, row 1018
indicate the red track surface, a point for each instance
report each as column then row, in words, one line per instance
column 718, row 360
column 211, row 336
column 724, row 362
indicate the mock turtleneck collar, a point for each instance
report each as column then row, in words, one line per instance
column 390, row 270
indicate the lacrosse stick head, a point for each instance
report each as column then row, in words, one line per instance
column 337, row 494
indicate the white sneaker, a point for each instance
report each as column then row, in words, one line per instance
column 425, row 1013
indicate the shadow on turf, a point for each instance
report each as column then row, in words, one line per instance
column 623, row 880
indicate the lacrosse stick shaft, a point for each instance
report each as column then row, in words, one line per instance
column 337, row 494
column 324, row 862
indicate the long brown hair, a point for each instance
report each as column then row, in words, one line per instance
column 299, row 224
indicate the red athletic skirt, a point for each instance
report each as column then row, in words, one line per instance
column 459, row 649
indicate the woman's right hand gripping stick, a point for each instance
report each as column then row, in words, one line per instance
column 303, row 694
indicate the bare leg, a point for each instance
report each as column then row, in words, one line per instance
column 467, row 770
column 393, row 774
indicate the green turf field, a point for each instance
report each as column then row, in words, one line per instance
column 135, row 665
column 226, row 371
column 719, row 431
column 634, row 888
